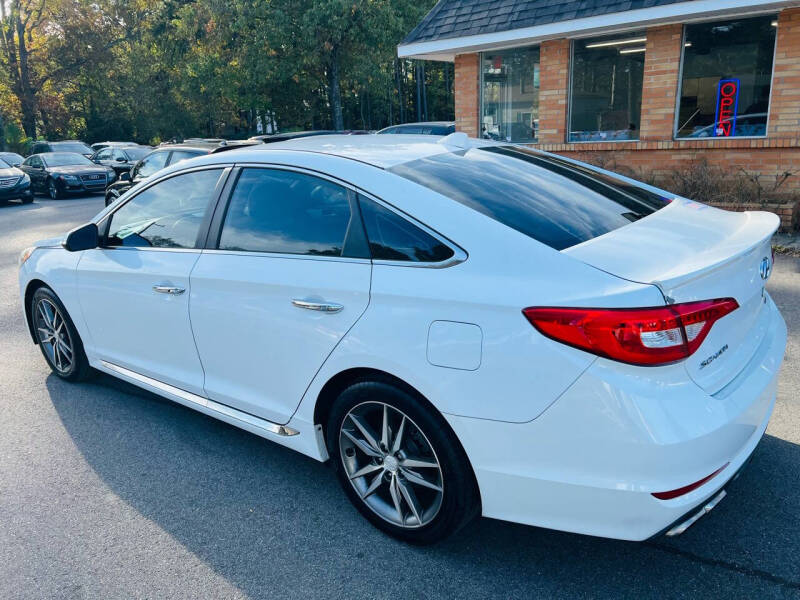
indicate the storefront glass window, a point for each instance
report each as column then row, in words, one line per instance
column 727, row 74
column 510, row 95
column 606, row 90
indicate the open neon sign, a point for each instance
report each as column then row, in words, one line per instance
column 727, row 107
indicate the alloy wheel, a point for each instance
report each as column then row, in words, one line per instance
column 391, row 464
column 54, row 335
column 52, row 189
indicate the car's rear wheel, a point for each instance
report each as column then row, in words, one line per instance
column 110, row 197
column 400, row 464
column 58, row 339
column 52, row 189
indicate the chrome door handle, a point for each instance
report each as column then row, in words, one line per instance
column 328, row 307
column 168, row 289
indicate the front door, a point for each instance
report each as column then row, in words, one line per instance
column 285, row 282
column 134, row 291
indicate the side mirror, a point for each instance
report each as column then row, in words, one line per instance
column 125, row 177
column 84, row 237
column 18, row 165
column 120, row 159
column 96, row 161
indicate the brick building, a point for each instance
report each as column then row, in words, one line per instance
column 654, row 84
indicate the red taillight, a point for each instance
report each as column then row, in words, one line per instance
column 688, row 488
column 640, row 336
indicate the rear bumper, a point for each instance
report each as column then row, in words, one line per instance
column 591, row 462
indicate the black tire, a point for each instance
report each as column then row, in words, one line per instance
column 79, row 368
column 459, row 502
column 52, row 189
column 110, row 198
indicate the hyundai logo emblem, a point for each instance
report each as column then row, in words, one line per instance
column 765, row 268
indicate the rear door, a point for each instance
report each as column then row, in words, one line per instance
column 283, row 283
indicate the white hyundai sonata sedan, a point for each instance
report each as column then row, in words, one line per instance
column 461, row 327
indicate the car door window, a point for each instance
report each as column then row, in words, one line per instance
column 168, row 214
column 104, row 154
column 35, row 162
column 152, row 164
column 117, row 155
column 391, row 237
column 291, row 213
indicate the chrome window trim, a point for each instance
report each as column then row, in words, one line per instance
column 286, row 255
column 459, row 254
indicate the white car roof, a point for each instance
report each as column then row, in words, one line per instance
column 378, row 150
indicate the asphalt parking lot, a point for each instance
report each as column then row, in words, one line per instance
column 107, row 491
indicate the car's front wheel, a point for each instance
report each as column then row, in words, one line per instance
column 111, row 197
column 400, row 464
column 58, row 339
column 52, row 189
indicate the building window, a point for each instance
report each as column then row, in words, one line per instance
column 510, row 95
column 606, row 88
column 727, row 76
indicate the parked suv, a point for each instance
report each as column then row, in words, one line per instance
column 76, row 146
column 154, row 162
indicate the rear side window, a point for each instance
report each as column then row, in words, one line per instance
column 179, row 155
column 546, row 198
column 287, row 212
column 391, row 237
column 152, row 164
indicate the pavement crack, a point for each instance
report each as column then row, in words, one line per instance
column 730, row 566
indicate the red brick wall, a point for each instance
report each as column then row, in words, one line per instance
column 784, row 114
column 467, row 80
column 661, row 65
column 554, row 81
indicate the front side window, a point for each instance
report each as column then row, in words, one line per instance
column 391, row 237
column 152, row 164
column 545, row 197
column 168, row 214
column 606, row 88
column 727, row 76
column 287, row 212
column 104, row 154
column 510, row 95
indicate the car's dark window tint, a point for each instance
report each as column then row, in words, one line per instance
column 287, row 212
column 391, row 237
column 152, row 164
column 544, row 197
column 168, row 214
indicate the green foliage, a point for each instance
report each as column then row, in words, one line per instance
column 156, row 69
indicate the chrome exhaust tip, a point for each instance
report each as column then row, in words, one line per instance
column 707, row 508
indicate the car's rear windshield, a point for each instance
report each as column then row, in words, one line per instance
column 71, row 147
column 62, row 159
column 547, row 198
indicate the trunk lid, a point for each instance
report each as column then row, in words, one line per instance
column 695, row 252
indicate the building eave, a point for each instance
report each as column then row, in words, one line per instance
column 683, row 12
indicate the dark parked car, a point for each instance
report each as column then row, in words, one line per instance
column 11, row 158
column 14, row 184
column 41, row 147
column 429, row 128
column 282, row 137
column 100, row 145
column 61, row 173
column 120, row 158
column 153, row 162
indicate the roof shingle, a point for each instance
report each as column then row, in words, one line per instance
column 457, row 18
